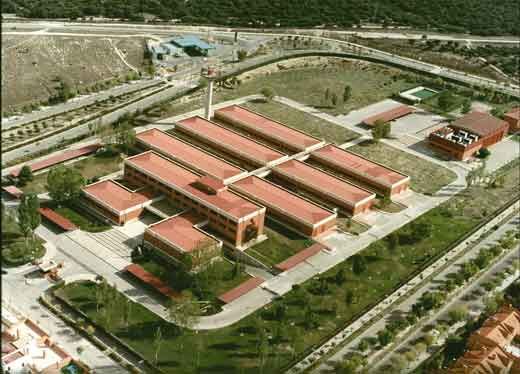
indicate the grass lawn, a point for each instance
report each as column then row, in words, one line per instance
column 90, row 167
column 351, row 226
column 14, row 250
column 206, row 285
column 318, row 302
column 303, row 121
column 281, row 243
column 426, row 177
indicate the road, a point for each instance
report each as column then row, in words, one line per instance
column 429, row 285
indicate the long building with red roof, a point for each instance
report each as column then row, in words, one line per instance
column 116, row 202
column 301, row 214
column 179, row 235
column 266, row 128
column 388, row 115
column 188, row 155
column 338, row 192
column 371, row 174
column 228, row 141
column 238, row 219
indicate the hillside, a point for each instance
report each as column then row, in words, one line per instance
column 484, row 17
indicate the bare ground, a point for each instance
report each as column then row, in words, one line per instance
column 31, row 65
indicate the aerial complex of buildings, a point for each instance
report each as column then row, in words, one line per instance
column 494, row 348
column 224, row 184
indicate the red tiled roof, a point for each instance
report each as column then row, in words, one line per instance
column 514, row 113
column 13, row 191
column 59, row 158
column 299, row 257
column 256, row 122
column 150, row 279
column 183, row 179
column 116, row 196
column 180, row 231
column 388, row 115
column 356, row 164
column 479, row 123
column 282, row 200
column 185, row 153
column 240, row 290
column 229, row 140
column 57, row 219
column 324, row 182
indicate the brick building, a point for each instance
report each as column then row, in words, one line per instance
column 300, row 214
column 237, row 219
column 467, row 135
column 513, row 118
column 324, row 186
column 494, row 347
column 284, row 137
column 369, row 174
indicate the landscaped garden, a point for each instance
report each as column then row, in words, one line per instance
column 281, row 243
column 426, row 177
column 273, row 336
column 82, row 219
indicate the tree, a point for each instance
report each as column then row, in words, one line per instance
column 28, row 215
column 385, row 337
column 268, row 93
column 393, row 241
column 125, row 136
column 157, row 342
column 466, row 106
column 327, row 95
column 445, row 100
column 340, row 276
column 184, row 312
column 347, row 93
column 483, row 153
column 381, row 130
column 459, row 313
column 241, row 54
column 64, row 184
column 358, row 264
column 349, row 297
column 25, row 175
column 351, row 365
column 497, row 112
column 334, row 99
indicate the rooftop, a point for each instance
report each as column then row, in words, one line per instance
column 150, row 279
column 359, row 165
column 229, row 139
column 388, row 115
column 191, row 41
column 241, row 289
column 115, row 196
column 271, row 195
column 181, row 232
column 324, row 182
column 268, row 127
column 479, row 123
column 300, row 257
column 57, row 219
column 185, row 153
column 183, row 179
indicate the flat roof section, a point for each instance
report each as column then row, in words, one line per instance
column 479, row 123
column 271, row 195
column 180, row 231
column 230, row 140
column 388, row 115
column 359, row 165
column 185, row 153
column 115, row 196
column 268, row 127
column 57, row 219
column 324, row 182
column 150, row 279
column 241, row 289
column 59, row 158
column 183, row 179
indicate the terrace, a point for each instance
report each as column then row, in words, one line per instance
column 456, row 136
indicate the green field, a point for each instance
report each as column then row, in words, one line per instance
column 293, row 324
column 94, row 166
column 426, row 177
column 281, row 244
column 303, row 121
column 82, row 219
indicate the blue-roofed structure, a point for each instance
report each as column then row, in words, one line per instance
column 192, row 44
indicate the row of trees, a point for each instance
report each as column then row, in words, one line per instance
column 332, row 98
